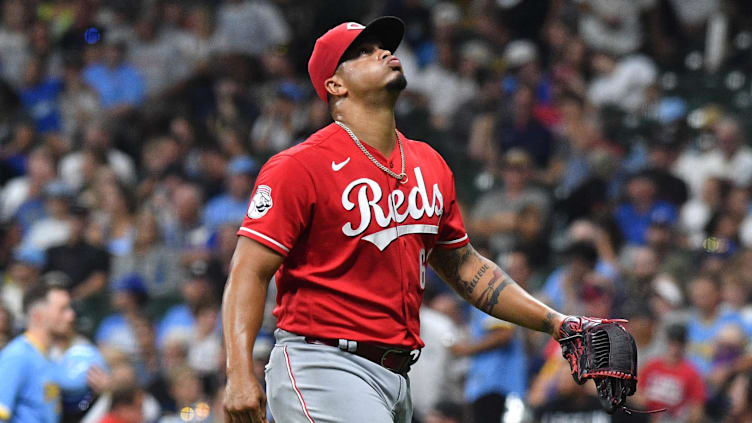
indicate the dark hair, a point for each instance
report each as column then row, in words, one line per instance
column 677, row 333
column 641, row 175
column 636, row 309
column 583, row 250
column 8, row 315
column 128, row 197
column 124, row 396
column 38, row 293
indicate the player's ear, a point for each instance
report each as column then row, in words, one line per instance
column 334, row 86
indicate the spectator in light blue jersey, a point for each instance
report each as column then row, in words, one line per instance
column 29, row 392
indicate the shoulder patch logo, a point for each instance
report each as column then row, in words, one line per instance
column 354, row 25
column 261, row 202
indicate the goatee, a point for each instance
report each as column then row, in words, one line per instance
column 397, row 84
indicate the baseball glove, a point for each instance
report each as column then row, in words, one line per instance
column 604, row 351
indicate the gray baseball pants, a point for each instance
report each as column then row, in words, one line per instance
column 313, row 383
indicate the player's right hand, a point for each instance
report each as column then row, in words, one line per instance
column 244, row 401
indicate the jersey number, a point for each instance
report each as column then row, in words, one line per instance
column 422, row 267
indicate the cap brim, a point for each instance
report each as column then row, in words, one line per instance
column 387, row 29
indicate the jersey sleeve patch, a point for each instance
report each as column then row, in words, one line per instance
column 261, row 202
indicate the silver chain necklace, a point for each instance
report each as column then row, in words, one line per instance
column 402, row 177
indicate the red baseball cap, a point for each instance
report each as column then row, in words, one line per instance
column 331, row 46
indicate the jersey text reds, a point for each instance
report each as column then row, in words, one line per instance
column 345, row 228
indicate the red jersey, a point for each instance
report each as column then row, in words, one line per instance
column 354, row 239
column 673, row 386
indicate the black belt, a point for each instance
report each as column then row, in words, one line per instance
column 395, row 359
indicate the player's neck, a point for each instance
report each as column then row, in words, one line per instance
column 63, row 341
column 373, row 125
column 39, row 338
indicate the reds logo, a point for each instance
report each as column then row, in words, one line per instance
column 369, row 209
column 261, row 202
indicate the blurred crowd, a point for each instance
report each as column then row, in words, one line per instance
column 599, row 148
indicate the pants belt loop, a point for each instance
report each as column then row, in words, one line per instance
column 349, row 346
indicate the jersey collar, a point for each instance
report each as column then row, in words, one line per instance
column 36, row 343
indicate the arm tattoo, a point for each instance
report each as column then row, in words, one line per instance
column 548, row 323
column 470, row 287
column 455, row 262
column 448, row 264
column 451, row 263
column 490, row 296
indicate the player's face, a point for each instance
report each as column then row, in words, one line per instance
column 366, row 66
column 60, row 314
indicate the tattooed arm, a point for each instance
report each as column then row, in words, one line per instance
column 483, row 284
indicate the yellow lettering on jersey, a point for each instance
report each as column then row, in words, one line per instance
column 51, row 391
column 4, row 412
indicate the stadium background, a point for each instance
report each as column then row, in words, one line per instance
column 601, row 151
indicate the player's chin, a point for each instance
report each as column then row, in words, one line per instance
column 397, row 83
column 62, row 332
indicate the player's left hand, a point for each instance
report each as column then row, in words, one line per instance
column 604, row 351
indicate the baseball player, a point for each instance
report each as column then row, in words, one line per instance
column 30, row 390
column 347, row 221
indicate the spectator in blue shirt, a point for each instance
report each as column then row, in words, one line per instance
column 117, row 331
column 498, row 365
column 181, row 222
column 706, row 321
column 231, row 206
column 180, row 320
column 40, row 97
column 522, row 129
column 119, row 85
column 562, row 286
column 635, row 216
column 29, row 392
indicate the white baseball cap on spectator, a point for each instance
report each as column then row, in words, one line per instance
column 445, row 14
column 666, row 288
column 520, row 52
column 476, row 51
